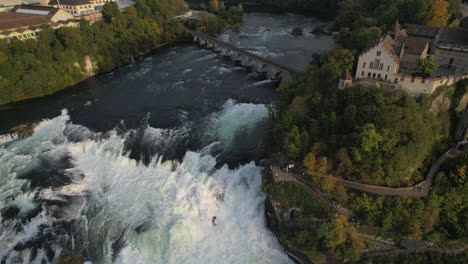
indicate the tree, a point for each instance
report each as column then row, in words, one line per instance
column 370, row 139
column 323, row 165
column 310, row 162
column 327, row 183
column 426, row 65
column 110, row 10
column 131, row 11
column 214, row 4
column 293, row 144
column 341, row 239
column 343, row 161
column 455, row 8
column 438, row 13
column 342, row 61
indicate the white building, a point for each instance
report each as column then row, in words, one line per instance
column 392, row 60
column 76, row 7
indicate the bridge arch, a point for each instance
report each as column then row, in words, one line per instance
column 273, row 69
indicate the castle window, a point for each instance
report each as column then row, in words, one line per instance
column 379, row 76
column 369, row 74
column 388, row 68
column 379, row 53
column 373, row 75
column 386, row 76
column 364, row 65
column 376, row 64
column 371, row 65
column 362, row 74
column 381, row 66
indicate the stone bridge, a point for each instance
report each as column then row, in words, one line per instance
column 272, row 69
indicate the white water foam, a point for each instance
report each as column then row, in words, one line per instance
column 160, row 213
column 233, row 119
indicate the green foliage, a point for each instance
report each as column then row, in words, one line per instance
column 292, row 195
column 340, row 239
column 58, row 58
column 426, row 65
column 385, row 135
column 213, row 23
column 110, row 11
column 341, row 61
column 419, row 258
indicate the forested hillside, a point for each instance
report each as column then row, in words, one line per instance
column 58, row 58
column 368, row 135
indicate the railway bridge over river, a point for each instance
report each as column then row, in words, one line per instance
column 272, row 69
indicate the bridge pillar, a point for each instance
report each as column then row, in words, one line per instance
column 227, row 52
column 262, row 67
column 273, row 73
column 247, row 61
column 237, row 56
column 217, row 48
column 285, row 76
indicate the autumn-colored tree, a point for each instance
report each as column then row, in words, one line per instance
column 310, row 162
column 327, row 183
column 343, row 161
column 341, row 239
column 460, row 175
column 438, row 13
column 214, row 4
column 323, row 165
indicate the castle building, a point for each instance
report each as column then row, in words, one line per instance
column 391, row 61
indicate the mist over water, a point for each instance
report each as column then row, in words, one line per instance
column 155, row 162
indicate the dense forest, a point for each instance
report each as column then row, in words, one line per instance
column 371, row 135
column 63, row 57
column 367, row 134
column 360, row 22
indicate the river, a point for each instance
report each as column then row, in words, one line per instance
column 153, row 162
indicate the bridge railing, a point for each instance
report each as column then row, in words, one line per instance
column 232, row 47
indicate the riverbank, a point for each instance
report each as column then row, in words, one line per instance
column 90, row 76
column 60, row 58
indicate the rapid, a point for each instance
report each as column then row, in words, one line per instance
column 155, row 162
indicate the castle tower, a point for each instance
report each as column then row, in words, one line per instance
column 396, row 27
column 345, row 81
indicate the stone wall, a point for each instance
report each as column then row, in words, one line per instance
column 417, row 85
